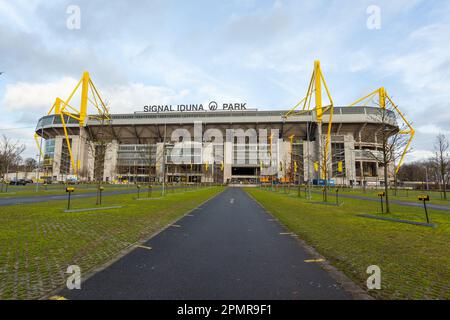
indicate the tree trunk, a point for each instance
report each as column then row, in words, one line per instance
column 444, row 184
column 385, row 172
column 97, row 200
column 395, row 184
column 386, row 188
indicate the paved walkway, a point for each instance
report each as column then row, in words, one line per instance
column 229, row 248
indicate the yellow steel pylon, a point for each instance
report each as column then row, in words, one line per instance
column 383, row 98
column 89, row 95
column 315, row 87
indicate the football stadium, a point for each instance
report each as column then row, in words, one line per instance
column 314, row 142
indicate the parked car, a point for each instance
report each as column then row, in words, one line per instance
column 72, row 181
column 19, row 182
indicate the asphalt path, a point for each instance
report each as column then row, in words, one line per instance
column 228, row 248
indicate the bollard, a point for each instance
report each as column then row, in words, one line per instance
column 69, row 190
column 381, row 195
column 425, row 198
column 100, row 189
column 138, row 188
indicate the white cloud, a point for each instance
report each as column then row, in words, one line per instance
column 419, row 155
column 432, row 129
column 9, row 13
column 360, row 61
column 36, row 97
column 132, row 97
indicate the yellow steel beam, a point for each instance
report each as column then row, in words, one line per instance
column 382, row 95
column 73, row 92
column 39, row 145
column 69, row 147
column 309, row 93
column 364, row 98
column 84, row 97
column 318, row 93
column 410, row 131
column 326, row 89
column 327, row 142
column 105, row 109
column 294, row 108
column 56, row 107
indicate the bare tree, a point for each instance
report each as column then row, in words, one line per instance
column 98, row 142
column 30, row 164
column 441, row 160
column 147, row 157
column 10, row 152
column 393, row 144
column 414, row 171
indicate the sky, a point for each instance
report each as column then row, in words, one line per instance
column 254, row 51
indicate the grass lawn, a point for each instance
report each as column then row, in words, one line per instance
column 402, row 195
column 414, row 260
column 39, row 241
column 60, row 189
column 55, row 189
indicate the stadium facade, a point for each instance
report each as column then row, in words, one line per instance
column 222, row 146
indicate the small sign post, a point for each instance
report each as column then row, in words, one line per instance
column 69, row 190
column 381, row 195
column 425, row 198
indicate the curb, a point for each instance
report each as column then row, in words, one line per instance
column 92, row 209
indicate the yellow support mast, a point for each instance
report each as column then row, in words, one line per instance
column 64, row 109
column 383, row 98
column 315, row 88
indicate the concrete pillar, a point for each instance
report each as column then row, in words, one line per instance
column 308, row 159
column 57, row 158
column 109, row 171
column 350, row 163
column 160, row 160
column 228, row 160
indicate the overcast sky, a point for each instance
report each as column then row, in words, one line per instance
column 258, row 52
